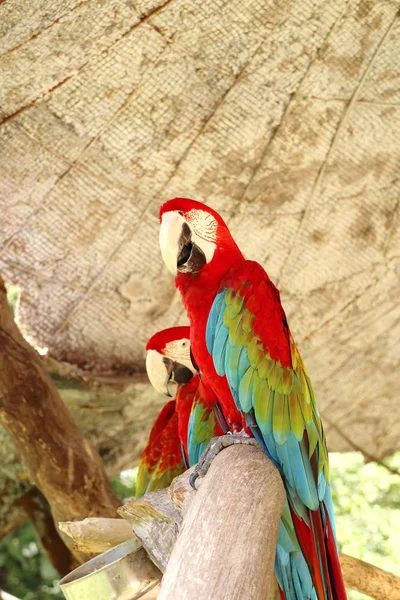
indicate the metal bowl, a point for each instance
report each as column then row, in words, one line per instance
column 122, row 573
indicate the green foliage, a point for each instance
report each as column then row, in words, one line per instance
column 24, row 568
column 125, row 484
column 367, row 510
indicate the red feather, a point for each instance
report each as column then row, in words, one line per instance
column 160, row 339
column 161, row 460
column 184, row 400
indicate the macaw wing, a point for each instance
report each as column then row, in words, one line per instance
column 251, row 345
column 162, row 459
column 202, row 428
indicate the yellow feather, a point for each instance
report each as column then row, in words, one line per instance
column 229, row 296
column 281, row 420
column 231, row 322
column 234, row 306
column 313, row 438
column 275, row 376
column 242, row 337
column 287, row 380
column 254, row 350
column 296, row 416
column 248, row 319
column 261, row 397
column 264, row 366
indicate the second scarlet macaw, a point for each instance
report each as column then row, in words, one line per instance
column 186, row 424
column 244, row 349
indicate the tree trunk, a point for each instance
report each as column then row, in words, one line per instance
column 58, row 459
column 226, row 547
column 109, row 411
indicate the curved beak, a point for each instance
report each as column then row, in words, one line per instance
column 170, row 240
column 162, row 372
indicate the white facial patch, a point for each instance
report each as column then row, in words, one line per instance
column 204, row 231
column 179, row 351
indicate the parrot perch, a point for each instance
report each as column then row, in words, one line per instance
column 243, row 347
column 186, row 424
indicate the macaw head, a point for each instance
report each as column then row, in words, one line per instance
column 168, row 360
column 193, row 235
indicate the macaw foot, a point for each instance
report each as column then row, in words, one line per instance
column 214, row 447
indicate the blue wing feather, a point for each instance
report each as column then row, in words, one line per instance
column 216, row 314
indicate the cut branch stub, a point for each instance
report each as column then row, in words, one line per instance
column 96, row 535
column 156, row 523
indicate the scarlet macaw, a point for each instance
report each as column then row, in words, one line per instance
column 186, row 424
column 246, row 354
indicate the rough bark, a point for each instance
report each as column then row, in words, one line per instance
column 221, row 545
column 58, row 459
column 37, row 509
column 114, row 413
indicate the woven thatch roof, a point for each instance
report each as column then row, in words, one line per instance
column 284, row 115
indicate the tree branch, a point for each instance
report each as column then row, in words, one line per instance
column 38, row 511
column 370, row 580
column 59, row 460
column 188, row 532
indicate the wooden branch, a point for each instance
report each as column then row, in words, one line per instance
column 38, row 511
column 98, row 535
column 201, row 533
column 156, row 523
column 370, row 580
column 159, row 517
column 226, row 547
column 94, row 536
column 59, row 460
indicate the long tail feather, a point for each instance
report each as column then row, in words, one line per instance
column 307, row 544
column 335, row 571
column 318, row 546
